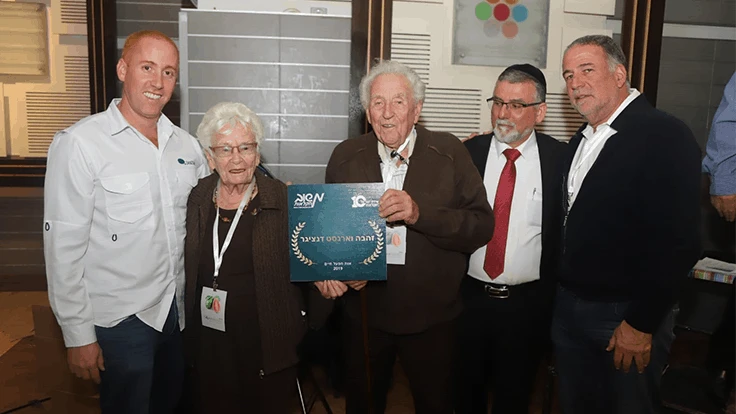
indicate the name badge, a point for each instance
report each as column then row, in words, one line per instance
column 396, row 245
column 212, row 308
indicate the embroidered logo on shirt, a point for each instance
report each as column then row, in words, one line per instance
column 183, row 162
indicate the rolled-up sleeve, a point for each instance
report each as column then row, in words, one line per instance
column 68, row 209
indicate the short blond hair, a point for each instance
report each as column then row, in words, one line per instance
column 132, row 40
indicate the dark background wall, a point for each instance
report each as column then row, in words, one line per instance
column 693, row 73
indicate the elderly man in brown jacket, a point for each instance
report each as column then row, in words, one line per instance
column 436, row 206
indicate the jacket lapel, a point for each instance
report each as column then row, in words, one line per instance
column 624, row 121
column 420, row 148
column 201, row 200
column 548, row 170
column 623, row 124
column 369, row 160
column 479, row 147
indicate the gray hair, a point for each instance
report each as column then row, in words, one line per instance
column 610, row 47
column 227, row 115
column 391, row 67
column 512, row 75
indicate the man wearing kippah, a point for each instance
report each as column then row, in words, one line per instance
column 504, row 328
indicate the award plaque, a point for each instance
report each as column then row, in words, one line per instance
column 335, row 232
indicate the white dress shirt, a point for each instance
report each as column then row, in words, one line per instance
column 114, row 215
column 393, row 175
column 524, row 240
column 590, row 148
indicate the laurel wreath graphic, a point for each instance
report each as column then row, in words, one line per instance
column 295, row 244
column 379, row 243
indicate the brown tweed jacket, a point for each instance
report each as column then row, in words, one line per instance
column 280, row 303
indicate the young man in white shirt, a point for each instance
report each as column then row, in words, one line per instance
column 507, row 294
column 115, row 198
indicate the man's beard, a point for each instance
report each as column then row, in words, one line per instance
column 511, row 136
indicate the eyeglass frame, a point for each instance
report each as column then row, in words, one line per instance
column 253, row 144
column 510, row 105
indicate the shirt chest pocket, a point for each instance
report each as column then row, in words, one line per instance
column 128, row 203
column 186, row 179
column 534, row 208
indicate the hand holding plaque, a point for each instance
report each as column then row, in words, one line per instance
column 396, row 205
column 356, row 284
column 331, row 289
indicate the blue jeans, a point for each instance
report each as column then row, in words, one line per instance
column 144, row 368
column 588, row 381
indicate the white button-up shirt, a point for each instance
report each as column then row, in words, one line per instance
column 393, row 176
column 590, row 148
column 524, row 239
column 114, row 222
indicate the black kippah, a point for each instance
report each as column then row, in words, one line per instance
column 531, row 71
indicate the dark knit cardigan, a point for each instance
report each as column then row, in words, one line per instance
column 280, row 304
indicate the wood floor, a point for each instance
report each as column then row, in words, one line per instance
column 19, row 381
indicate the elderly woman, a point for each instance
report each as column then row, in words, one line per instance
column 244, row 317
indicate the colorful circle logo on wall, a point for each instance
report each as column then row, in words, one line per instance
column 501, row 16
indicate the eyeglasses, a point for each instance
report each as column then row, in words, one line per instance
column 513, row 107
column 225, row 151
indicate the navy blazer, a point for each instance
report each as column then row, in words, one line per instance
column 633, row 232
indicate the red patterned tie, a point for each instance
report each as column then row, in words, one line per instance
column 496, row 249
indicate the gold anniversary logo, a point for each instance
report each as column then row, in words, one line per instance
column 378, row 237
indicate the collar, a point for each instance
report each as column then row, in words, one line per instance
column 118, row 123
column 385, row 152
column 268, row 191
column 421, row 140
column 364, row 150
column 588, row 132
column 527, row 148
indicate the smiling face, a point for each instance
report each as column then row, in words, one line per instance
column 148, row 72
column 236, row 168
column 392, row 111
column 594, row 90
column 511, row 126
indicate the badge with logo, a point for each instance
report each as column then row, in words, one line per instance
column 335, row 232
column 212, row 308
column 396, row 245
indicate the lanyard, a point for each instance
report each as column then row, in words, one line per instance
column 216, row 252
column 585, row 152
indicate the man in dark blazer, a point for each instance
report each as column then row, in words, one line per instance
column 507, row 295
column 630, row 235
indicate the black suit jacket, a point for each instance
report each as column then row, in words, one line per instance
column 633, row 232
column 550, row 156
